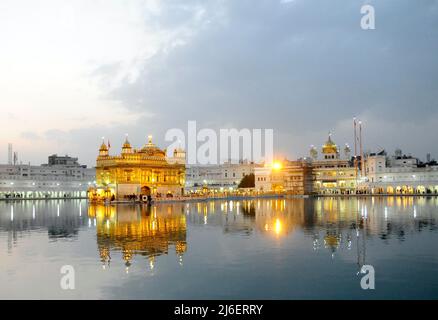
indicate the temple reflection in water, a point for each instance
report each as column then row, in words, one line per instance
column 124, row 232
column 139, row 230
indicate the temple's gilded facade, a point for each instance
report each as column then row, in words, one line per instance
column 144, row 172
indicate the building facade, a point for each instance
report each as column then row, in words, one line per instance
column 333, row 173
column 217, row 177
column 291, row 177
column 61, row 177
column 399, row 174
column 144, row 172
column 330, row 174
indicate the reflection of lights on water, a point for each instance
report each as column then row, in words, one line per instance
column 349, row 244
column 151, row 265
column 266, row 227
column 94, row 222
column 154, row 225
column 180, row 260
column 104, row 267
column 205, row 219
column 386, row 213
column 127, row 270
column 415, row 211
column 57, row 210
column 12, row 213
column 315, row 244
column 80, row 211
column 33, row 212
column 278, row 226
column 107, row 224
column 89, row 223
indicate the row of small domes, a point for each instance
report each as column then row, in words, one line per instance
column 150, row 148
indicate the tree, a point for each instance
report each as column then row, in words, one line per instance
column 247, row 181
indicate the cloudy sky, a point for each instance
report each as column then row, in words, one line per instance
column 74, row 71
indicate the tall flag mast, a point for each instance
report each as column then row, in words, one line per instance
column 362, row 162
column 355, row 145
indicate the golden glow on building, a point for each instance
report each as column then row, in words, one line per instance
column 147, row 171
column 277, row 165
column 136, row 230
column 330, row 147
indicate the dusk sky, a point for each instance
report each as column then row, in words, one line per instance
column 74, row 71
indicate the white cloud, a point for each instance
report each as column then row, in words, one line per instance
column 52, row 53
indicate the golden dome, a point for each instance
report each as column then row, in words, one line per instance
column 329, row 146
column 152, row 150
column 103, row 147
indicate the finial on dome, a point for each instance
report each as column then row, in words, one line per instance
column 150, row 139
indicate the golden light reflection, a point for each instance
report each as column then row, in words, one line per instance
column 138, row 231
column 278, row 226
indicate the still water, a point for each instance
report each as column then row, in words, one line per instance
column 249, row 249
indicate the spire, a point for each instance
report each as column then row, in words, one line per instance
column 126, row 146
column 103, row 146
column 103, row 150
column 329, row 141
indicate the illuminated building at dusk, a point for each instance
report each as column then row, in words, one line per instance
column 329, row 174
column 143, row 172
column 333, row 173
column 60, row 177
column 399, row 174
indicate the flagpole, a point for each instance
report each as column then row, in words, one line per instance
column 355, row 148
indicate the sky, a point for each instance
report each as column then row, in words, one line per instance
column 74, row 71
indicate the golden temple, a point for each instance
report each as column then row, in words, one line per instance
column 136, row 174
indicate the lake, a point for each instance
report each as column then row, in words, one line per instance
column 249, row 249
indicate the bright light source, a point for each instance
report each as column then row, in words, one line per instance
column 277, row 166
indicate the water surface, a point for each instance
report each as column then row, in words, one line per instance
column 249, row 249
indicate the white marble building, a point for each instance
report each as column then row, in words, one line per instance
column 399, row 174
column 62, row 177
column 217, row 177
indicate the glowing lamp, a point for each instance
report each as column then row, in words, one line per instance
column 277, row 166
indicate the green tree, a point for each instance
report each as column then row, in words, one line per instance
column 247, row 181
